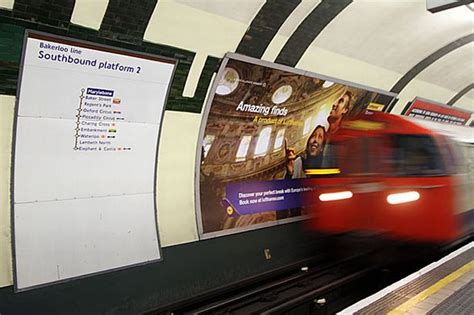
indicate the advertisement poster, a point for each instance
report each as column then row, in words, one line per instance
column 262, row 136
column 430, row 110
column 84, row 165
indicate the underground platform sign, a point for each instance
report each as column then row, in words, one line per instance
column 87, row 132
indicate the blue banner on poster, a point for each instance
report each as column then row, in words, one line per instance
column 272, row 195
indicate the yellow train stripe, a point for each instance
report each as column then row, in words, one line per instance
column 403, row 308
column 322, row 171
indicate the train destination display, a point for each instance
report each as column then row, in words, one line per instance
column 85, row 154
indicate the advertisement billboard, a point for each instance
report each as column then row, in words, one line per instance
column 430, row 110
column 263, row 132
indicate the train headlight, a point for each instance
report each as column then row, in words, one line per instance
column 335, row 196
column 398, row 198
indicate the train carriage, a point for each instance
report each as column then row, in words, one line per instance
column 397, row 177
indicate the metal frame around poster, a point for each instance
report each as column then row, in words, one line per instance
column 101, row 47
column 205, row 115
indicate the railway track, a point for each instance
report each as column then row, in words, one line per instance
column 318, row 287
column 316, row 277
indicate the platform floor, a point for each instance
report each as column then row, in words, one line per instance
column 443, row 287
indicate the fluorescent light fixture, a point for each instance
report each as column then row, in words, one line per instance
column 395, row 199
column 336, row 196
column 440, row 5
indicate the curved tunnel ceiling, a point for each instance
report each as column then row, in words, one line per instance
column 458, row 61
column 469, row 95
column 430, row 60
column 393, row 34
column 467, row 91
column 264, row 27
column 309, row 29
column 403, row 37
column 399, row 36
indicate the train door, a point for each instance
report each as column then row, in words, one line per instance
column 360, row 169
column 459, row 164
column 419, row 201
column 372, row 189
column 345, row 203
column 466, row 171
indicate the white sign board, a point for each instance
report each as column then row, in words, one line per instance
column 85, row 154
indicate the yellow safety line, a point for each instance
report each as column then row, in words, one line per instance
column 403, row 308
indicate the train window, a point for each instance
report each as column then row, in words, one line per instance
column 378, row 155
column 365, row 153
column 350, row 156
column 453, row 156
column 469, row 158
column 466, row 152
column 416, row 155
column 329, row 155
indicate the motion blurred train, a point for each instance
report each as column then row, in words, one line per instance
column 396, row 177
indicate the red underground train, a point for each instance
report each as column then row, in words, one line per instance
column 396, row 177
